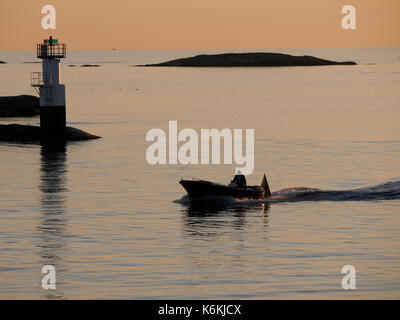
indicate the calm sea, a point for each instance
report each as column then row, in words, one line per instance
column 114, row 226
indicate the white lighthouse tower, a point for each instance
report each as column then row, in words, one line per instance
column 52, row 93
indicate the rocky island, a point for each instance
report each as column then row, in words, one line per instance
column 28, row 106
column 28, row 133
column 19, row 106
column 255, row 59
column 84, row 65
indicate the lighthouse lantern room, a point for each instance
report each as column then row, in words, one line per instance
column 47, row 83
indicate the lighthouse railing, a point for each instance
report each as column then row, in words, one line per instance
column 51, row 50
column 39, row 79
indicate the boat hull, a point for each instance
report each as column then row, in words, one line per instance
column 201, row 188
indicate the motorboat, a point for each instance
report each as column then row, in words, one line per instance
column 197, row 188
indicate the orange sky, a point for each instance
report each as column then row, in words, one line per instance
column 200, row 24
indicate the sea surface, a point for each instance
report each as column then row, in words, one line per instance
column 114, row 226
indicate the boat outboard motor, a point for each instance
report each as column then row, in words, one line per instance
column 265, row 186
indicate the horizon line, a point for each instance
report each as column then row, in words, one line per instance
column 213, row 49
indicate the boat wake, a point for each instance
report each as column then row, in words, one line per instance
column 385, row 191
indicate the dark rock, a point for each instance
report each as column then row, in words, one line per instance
column 85, row 65
column 256, row 59
column 2, row 62
column 19, row 106
column 72, row 134
column 17, row 132
column 27, row 133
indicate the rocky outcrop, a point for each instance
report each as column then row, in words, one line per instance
column 84, row 65
column 27, row 133
column 19, row 106
column 256, row 59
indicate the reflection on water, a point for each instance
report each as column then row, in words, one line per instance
column 200, row 214
column 53, row 222
column 212, row 219
column 218, row 234
column 216, row 205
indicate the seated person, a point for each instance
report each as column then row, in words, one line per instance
column 240, row 180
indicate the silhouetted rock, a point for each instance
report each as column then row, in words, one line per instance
column 2, row 62
column 85, row 65
column 27, row 133
column 19, row 106
column 256, row 59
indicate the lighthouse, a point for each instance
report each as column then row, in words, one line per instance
column 52, row 93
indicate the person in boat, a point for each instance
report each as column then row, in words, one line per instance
column 240, row 180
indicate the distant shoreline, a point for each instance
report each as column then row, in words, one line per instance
column 253, row 59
